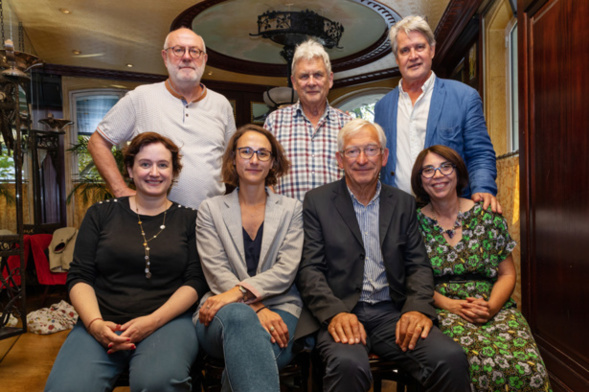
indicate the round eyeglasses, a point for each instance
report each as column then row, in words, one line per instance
column 248, row 152
column 445, row 168
column 179, row 51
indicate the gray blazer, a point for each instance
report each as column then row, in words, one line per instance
column 219, row 238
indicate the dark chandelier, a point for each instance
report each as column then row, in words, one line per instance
column 290, row 28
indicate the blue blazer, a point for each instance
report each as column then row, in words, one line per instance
column 455, row 120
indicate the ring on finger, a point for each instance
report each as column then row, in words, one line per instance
column 271, row 329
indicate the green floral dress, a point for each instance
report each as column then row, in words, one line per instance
column 502, row 353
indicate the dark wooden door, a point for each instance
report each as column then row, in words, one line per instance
column 554, row 137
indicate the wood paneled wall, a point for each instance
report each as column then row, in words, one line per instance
column 554, row 157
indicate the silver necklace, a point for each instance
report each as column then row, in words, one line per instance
column 146, row 241
column 457, row 224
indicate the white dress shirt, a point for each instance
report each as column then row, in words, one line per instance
column 411, row 127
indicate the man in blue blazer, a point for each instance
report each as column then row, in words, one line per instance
column 425, row 110
column 365, row 278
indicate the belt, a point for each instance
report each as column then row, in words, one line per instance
column 459, row 278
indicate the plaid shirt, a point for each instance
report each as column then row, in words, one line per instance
column 311, row 152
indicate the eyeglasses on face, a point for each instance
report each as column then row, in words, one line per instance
column 354, row 152
column 445, row 168
column 179, row 51
column 248, row 153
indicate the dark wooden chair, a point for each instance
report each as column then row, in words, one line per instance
column 293, row 378
column 389, row 370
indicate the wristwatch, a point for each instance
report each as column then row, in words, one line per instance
column 243, row 292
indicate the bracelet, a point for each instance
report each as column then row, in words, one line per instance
column 263, row 307
column 93, row 320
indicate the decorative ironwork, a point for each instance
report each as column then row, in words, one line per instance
column 13, row 122
column 13, row 278
column 290, row 28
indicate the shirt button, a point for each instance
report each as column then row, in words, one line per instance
column 186, row 114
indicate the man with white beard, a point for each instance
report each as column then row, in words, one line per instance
column 197, row 119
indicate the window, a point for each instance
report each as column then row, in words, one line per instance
column 360, row 104
column 513, row 86
column 88, row 108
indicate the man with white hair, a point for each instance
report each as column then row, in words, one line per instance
column 365, row 277
column 197, row 119
column 308, row 129
column 425, row 110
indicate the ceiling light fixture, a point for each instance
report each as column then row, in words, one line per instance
column 129, row 65
column 290, row 28
column 65, row 11
column 76, row 52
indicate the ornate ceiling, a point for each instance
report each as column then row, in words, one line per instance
column 110, row 34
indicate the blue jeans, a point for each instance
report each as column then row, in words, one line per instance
column 251, row 359
column 161, row 362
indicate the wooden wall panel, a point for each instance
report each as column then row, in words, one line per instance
column 555, row 169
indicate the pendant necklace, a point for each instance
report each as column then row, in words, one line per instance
column 146, row 241
column 457, row 224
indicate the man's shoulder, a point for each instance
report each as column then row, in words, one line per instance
column 215, row 96
column 339, row 113
column 396, row 194
column 323, row 191
column 279, row 117
column 454, row 86
column 394, row 93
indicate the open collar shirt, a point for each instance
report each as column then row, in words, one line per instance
column 310, row 150
column 375, row 287
column 411, row 129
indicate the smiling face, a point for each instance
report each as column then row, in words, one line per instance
column 439, row 187
column 414, row 57
column 311, row 81
column 362, row 171
column 152, row 170
column 184, row 69
column 252, row 171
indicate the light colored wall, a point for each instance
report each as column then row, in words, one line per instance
column 496, row 104
column 8, row 215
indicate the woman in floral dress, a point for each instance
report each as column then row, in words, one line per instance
column 470, row 251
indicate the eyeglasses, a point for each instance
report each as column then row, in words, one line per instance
column 445, row 168
column 369, row 151
column 179, row 51
column 248, row 153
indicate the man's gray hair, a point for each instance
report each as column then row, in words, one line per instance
column 308, row 50
column 204, row 47
column 355, row 126
column 409, row 24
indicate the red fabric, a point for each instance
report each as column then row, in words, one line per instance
column 37, row 243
